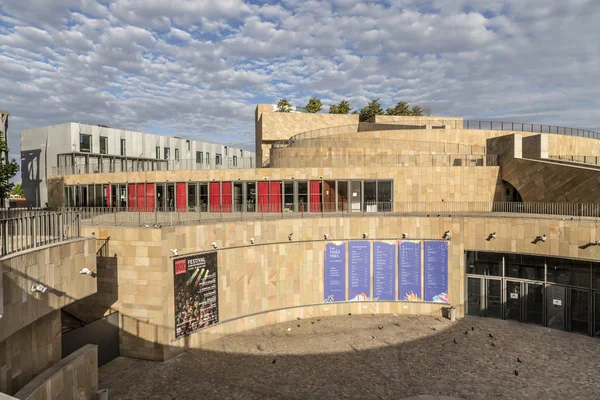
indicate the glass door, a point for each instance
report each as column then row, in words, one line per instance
column 555, row 307
column 535, row 303
column 493, row 298
column 597, row 314
column 514, row 301
column 355, row 196
column 474, row 296
column 580, row 311
column 237, row 197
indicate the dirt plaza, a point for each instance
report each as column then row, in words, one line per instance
column 371, row 357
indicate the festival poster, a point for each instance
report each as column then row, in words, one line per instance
column 335, row 272
column 436, row 271
column 384, row 271
column 196, row 293
column 409, row 270
column 359, row 270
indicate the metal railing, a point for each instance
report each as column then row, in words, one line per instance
column 388, row 160
column 22, row 230
column 157, row 217
column 524, row 127
column 159, row 165
column 591, row 160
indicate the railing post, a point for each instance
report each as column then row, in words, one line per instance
column 4, row 237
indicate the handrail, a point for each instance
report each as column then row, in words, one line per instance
column 102, row 251
column 387, row 160
column 525, row 127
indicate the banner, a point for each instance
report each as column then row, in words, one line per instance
column 335, row 271
column 359, row 270
column 409, row 270
column 196, row 293
column 384, row 271
column 436, row 271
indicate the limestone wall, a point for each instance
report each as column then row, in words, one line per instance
column 428, row 121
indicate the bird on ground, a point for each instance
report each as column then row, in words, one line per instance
column 274, row 361
column 397, row 324
column 298, row 318
column 380, row 327
column 312, row 322
column 318, row 319
column 374, row 337
column 519, row 360
column 349, row 313
column 490, row 335
column 466, row 332
column 433, row 329
column 493, row 345
column 472, row 328
column 455, row 341
column 298, row 326
column 516, row 373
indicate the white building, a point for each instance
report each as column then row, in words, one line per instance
column 74, row 148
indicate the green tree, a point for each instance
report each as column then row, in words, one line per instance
column 399, row 109
column 416, row 111
column 343, row 107
column 284, row 106
column 314, row 105
column 18, row 190
column 8, row 169
column 368, row 112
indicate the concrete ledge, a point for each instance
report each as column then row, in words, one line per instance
column 73, row 377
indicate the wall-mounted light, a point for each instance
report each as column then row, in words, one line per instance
column 251, row 240
column 447, row 235
column 85, row 271
column 175, row 252
column 365, row 235
column 214, row 245
column 326, row 236
column 542, row 238
column 405, row 236
column 290, row 237
column 492, row 236
column 39, row 288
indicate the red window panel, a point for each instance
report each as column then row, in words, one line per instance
column 263, row 196
column 108, row 197
column 150, row 199
column 131, row 197
column 180, row 194
column 315, row 196
column 141, row 197
column 227, row 197
column 215, row 196
column 275, row 196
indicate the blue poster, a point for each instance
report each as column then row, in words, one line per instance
column 436, row 271
column 359, row 270
column 384, row 271
column 409, row 270
column 335, row 272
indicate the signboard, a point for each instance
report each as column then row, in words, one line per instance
column 556, row 302
column 514, row 295
column 384, row 271
column 335, row 271
column 359, row 270
column 436, row 271
column 196, row 293
column 409, row 270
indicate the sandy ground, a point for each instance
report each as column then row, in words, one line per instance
column 372, row 357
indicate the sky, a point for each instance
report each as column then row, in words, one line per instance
column 197, row 68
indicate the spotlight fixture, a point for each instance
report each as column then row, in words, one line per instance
column 290, row 237
column 326, row 236
column 447, row 235
column 542, row 238
column 85, row 271
column 405, row 236
column 492, row 236
column 174, row 251
column 214, row 245
column 365, row 235
column 39, row 288
column 251, row 240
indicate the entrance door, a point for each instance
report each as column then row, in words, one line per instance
column 513, row 301
column 493, row 298
column 580, row 311
column 535, row 303
column 555, row 307
column 474, row 296
column 237, row 197
column 597, row 314
column 355, row 195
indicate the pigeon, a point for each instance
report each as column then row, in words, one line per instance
column 380, row 327
column 374, row 337
column 349, row 313
column 433, row 329
column 466, row 332
column 490, row 335
column 519, row 360
column 298, row 326
column 455, row 341
column 312, row 322
column 318, row 319
column 373, row 314
column 493, row 345
column 298, row 318
column 274, row 361
column 472, row 328
column 397, row 324
column 516, row 373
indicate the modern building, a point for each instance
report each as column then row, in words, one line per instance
column 404, row 215
column 75, row 148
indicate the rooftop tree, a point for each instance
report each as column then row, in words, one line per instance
column 314, row 105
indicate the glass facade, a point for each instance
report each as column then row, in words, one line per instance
column 560, row 293
column 103, row 145
column 85, row 143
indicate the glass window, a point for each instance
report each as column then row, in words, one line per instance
column 342, row 192
column 384, row 196
column 198, row 157
column 484, row 263
column 167, row 153
column 251, row 196
column 370, row 199
column 187, row 143
column 203, row 190
column 218, row 159
column 596, row 280
column 85, row 143
column 524, row 267
column 302, row 196
column 191, row 195
column 123, row 148
column 235, row 161
column 177, row 154
column 158, row 152
column 103, row 145
column 207, row 158
column 288, row 195
column 559, row 270
column 225, row 150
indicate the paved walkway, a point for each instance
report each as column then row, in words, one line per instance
column 372, row 357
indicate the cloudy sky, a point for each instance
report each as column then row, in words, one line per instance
column 199, row 67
